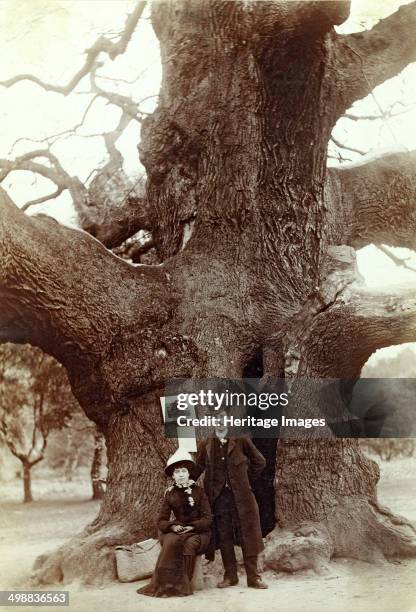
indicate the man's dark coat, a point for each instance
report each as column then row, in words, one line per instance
column 244, row 464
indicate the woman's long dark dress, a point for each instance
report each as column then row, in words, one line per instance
column 169, row 576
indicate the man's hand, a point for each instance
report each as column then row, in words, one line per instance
column 187, row 529
column 177, row 528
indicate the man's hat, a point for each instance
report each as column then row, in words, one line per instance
column 181, row 456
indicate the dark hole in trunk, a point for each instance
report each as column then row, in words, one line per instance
column 264, row 486
column 254, row 366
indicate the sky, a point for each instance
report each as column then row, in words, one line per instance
column 48, row 37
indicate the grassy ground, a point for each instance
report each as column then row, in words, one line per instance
column 62, row 509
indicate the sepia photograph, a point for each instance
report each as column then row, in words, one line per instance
column 208, row 305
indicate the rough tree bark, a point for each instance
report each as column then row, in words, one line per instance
column 257, row 260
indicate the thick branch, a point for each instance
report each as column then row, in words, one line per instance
column 364, row 60
column 60, row 289
column 388, row 317
column 351, row 320
column 375, row 202
column 108, row 322
column 102, row 45
column 364, row 320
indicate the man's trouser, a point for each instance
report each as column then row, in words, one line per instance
column 226, row 522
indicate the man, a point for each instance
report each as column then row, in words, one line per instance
column 231, row 466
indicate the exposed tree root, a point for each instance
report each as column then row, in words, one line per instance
column 305, row 546
column 357, row 528
column 88, row 557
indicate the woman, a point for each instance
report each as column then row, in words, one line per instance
column 184, row 537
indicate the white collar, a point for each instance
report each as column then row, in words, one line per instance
column 190, row 484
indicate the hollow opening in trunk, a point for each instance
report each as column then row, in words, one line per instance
column 254, row 366
column 264, row 486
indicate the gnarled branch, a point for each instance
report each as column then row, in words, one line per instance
column 62, row 290
column 363, row 319
column 50, row 293
column 364, row 60
column 375, row 201
column 379, row 318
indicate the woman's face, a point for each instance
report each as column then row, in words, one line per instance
column 181, row 475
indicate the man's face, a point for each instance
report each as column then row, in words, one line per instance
column 221, row 415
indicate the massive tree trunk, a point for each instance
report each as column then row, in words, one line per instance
column 328, row 507
column 256, row 262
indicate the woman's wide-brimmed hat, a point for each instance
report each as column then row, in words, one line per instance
column 181, row 456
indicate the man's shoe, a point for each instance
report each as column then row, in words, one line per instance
column 226, row 583
column 257, row 584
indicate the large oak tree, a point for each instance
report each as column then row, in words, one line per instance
column 257, row 241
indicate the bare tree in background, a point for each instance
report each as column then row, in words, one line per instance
column 256, row 239
column 35, row 399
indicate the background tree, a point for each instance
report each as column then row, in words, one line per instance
column 257, row 241
column 401, row 366
column 97, row 480
column 79, row 445
column 35, row 399
column 82, row 435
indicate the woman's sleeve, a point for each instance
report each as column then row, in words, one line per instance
column 204, row 522
column 163, row 523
